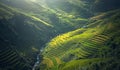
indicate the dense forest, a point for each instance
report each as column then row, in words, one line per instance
column 59, row 34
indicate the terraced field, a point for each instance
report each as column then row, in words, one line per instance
column 63, row 34
column 91, row 45
column 78, row 44
column 10, row 59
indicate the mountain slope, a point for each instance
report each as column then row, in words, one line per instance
column 27, row 33
column 86, row 34
column 93, row 44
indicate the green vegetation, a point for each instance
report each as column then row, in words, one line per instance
column 63, row 34
column 93, row 42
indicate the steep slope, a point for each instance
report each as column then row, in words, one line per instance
column 10, row 41
column 27, row 25
column 89, row 47
column 42, row 10
column 25, row 33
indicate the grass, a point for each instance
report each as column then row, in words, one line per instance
column 82, row 63
column 69, row 40
column 24, row 13
column 51, row 63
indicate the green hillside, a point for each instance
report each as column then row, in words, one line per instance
column 26, row 32
column 59, row 35
column 92, row 45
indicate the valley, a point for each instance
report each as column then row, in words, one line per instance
column 59, row 35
